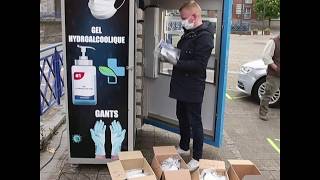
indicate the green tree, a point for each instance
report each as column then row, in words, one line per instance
column 267, row 9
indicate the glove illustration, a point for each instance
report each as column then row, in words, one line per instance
column 117, row 136
column 98, row 137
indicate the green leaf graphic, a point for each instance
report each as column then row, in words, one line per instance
column 106, row 71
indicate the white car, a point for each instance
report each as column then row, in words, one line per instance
column 252, row 80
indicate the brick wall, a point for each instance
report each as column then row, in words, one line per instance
column 139, row 67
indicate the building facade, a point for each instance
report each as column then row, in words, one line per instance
column 243, row 10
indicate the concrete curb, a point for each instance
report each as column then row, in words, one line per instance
column 50, row 126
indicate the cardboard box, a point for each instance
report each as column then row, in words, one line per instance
column 243, row 169
column 128, row 161
column 161, row 153
column 218, row 166
column 253, row 177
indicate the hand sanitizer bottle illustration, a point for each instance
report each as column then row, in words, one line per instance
column 84, row 85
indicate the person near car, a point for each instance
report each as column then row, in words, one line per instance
column 188, row 78
column 271, row 57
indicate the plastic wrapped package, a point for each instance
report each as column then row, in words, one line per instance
column 170, row 164
column 210, row 174
column 134, row 173
column 163, row 48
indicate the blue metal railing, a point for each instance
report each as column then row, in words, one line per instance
column 53, row 15
column 51, row 76
column 240, row 27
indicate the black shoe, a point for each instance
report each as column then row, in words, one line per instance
column 263, row 117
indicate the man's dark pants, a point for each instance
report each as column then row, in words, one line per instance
column 189, row 115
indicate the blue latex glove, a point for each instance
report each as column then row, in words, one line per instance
column 117, row 136
column 98, row 137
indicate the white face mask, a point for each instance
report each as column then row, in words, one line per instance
column 186, row 24
column 103, row 9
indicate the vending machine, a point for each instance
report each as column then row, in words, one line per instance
column 98, row 38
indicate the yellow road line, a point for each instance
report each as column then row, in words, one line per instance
column 273, row 145
column 239, row 97
column 229, row 97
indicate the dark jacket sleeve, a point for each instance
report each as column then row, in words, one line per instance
column 202, row 51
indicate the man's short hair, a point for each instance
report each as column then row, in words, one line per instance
column 191, row 5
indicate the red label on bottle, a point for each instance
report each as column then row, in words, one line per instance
column 78, row 75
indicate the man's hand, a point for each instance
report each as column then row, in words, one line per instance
column 162, row 58
column 275, row 67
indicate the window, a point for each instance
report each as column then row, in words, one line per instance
column 238, row 9
column 247, row 13
column 248, row 1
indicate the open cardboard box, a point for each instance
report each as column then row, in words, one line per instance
column 161, row 153
column 218, row 166
column 253, row 177
column 127, row 161
column 243, row 170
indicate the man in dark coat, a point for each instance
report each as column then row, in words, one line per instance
column 188, row 78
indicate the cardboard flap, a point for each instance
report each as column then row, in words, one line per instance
column 129, row 164
column 116, row 170
column 240, row 168
column 232, row 174
column 164, row 150
column 215, row 164
column 240, row 162
column 147, row 168
column 183, row 164
column 175, row 175
column 156, row 168
column 253, row 177
column 195, row 175
column 130, row 155
column 145, row 178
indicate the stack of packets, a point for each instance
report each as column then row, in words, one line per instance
column 170, row 164
column 163, row 48
column 210, row 174
column 134, row 173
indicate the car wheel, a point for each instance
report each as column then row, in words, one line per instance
column 259, row 89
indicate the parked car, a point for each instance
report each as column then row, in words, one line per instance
column 252, row 81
